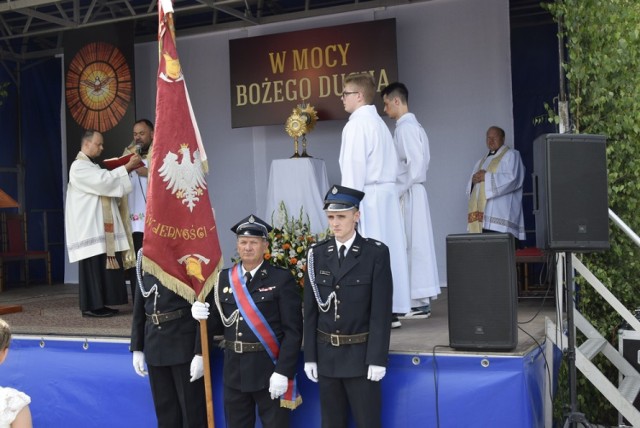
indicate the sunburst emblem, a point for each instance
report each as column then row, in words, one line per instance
column 296, row 125
column 309, row 114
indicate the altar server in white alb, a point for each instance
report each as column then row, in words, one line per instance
column 95, row 233
column 495, row 189
column 369, row 163
column 412, row 146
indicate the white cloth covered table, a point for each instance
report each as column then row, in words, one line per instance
column 299, row 182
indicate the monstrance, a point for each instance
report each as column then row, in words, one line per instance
column 301, row 121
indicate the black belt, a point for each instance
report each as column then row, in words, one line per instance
column 342, row 339
column 167, row 316
column 242, row 347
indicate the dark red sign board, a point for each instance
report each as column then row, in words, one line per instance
column 272, row 74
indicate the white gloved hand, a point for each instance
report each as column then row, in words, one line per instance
column 311, row 369
column 197, row 368
column 376, row 373
column 200, row 310
column 138, row 363
column 278, row 385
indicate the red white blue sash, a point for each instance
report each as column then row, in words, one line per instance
column 261, row 328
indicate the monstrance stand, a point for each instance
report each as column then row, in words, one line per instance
column 304, row 147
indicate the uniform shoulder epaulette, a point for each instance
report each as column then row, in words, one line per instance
column 323, row 242
column 277, row 267
column 374, row 242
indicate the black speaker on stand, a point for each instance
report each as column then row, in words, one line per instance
column 570, row 192
column 482, row 292
column 571, row 209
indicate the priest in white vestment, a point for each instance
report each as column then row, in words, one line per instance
column 95, row 233
column 369, row 163
column 412, row 146
column 136, row 201
column 495, row 189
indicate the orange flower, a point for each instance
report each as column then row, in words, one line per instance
column 294, row 234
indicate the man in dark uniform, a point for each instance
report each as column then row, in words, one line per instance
column 257, row 307
column 164, row 334
column 347, row 316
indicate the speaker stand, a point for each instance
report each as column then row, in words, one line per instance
column 573, row 418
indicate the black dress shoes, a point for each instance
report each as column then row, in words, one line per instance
column 99, row 313
column 113, row 311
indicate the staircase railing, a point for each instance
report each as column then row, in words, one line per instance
column 622, row 396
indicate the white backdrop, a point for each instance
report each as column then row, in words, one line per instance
column 454, row 56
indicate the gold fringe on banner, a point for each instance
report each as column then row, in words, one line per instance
column 291, row 405
column 174, row 284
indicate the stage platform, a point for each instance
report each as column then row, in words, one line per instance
column 78, row 370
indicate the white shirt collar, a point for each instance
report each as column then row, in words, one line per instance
column 346, row 244
column 253, row 272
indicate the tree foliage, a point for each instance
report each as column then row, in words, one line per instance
column 603, row 75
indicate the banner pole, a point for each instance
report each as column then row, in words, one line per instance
column 204, row 340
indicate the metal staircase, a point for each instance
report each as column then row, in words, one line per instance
column 623, row 395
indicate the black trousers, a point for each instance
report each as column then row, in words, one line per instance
column 131, row 273
column 178, row 402
column 337, row 395
column 99, row 286
column 240, row 409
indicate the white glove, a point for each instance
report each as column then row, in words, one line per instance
column 197, row 368
column 311, row 369
column 138, row 363
column 376, row 373
column 200, row 310
column 278, row 385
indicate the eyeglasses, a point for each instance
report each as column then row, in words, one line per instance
column 345, row 93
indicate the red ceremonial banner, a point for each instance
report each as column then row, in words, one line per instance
column 181, row 246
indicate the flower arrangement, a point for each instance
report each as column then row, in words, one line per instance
column 290, row 243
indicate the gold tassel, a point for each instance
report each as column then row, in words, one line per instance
column 288, row 404
column 112, row 263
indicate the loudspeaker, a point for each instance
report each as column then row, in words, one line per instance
column 482, row 291
column 571, row 206
column 629, row 347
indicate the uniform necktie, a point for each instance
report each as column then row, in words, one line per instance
column 341, row 254
column 247, row 277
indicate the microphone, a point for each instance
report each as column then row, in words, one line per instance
column 139, row 149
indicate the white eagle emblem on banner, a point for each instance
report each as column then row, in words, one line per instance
column 185, row 178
